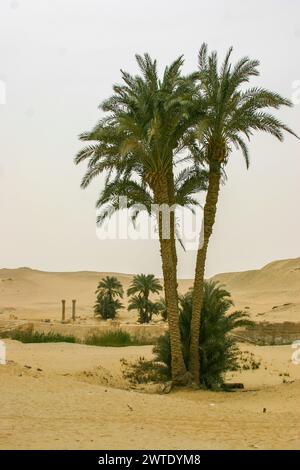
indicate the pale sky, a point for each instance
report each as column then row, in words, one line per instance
column 58, row 61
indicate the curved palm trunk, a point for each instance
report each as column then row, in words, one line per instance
column 180, row 375
column 210, row 209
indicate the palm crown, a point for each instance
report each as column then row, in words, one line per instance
column 110, row 286
column 232, row 112
column 149, row 122
column 144, row 284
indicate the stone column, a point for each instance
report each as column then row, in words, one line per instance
column 63, row 310
column 74, row 310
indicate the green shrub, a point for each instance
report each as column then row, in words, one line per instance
column 218, row 350
column 29, row 336
column 247, row 361
column 162, row 307
column 144, row 371
column 116, row 338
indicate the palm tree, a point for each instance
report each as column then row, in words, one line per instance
column 143, row 285
column 146, row 308
column 233, row 113
column 217, row 346
column 149, row 122
column 108, row 292
column 162, row 308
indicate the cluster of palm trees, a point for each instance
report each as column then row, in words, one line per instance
column 162, row 141
column 110, row 291
column 142, row 286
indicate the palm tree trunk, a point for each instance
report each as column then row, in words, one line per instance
column 171, row 198
column 210, row 209
column 180, row 375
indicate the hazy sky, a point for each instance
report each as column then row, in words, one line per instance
column 58, row 61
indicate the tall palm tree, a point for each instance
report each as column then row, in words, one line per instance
column 143, row 285
column 233, row 113
column 149, row 122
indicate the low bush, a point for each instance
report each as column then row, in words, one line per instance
column 144, row 371
column 118, row 338
column 29, row 336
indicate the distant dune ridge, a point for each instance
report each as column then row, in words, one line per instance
column 271, row 293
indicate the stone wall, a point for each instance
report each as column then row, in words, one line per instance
column 262, row 333
column 265, row 333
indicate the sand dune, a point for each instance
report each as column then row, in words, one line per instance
column 271, row 293
column 33, row 294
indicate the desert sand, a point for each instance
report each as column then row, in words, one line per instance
column 71, row 396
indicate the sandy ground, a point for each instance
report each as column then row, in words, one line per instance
column 74, row 402
column 271, row 293
column 73, row 396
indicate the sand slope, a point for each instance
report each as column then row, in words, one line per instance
column 271, row 293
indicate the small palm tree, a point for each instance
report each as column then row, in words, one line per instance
column 233, row 113
column 146, row 308
column 108, row 292
column 141, row 287
column 217, row 347
column 162, row 307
